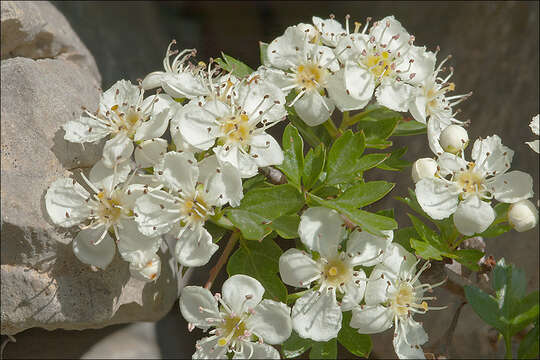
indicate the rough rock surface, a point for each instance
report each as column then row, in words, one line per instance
column 47, row 75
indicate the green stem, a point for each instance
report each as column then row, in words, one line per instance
column 222, row 221
column 291, row 298
column 345, row 122
column 508, row 346
column 222, row 259
column 458, row 242
column 331, row 129
column 356, row 118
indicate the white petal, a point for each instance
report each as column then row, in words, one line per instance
column 130, row 240
column 149, row 152
column 282, row 51
column 178, row 171
column 313, row 108
column 491, row 155
column 99, row 255
column 372, row 319
column 153, row 127
column 317, row 317
column 146, row 271
column 123, row 91
column 535, row 145
column 398, row 259
column 262, row 97
column 151, row 218
column 223, row 182
column 152, row 80
column 350, row 47
column 534, row 125
column 208, row 348
column 252, row 350
column 366, row 247
column 184, row 84
column 117, row 150
column 437, row 198
column 354, row 292
column 451, row 164
column 198, row 126
column 297, row 268
column 266, row 150
column 242, row 292
column 277, row 77
column 197, row 305
column 65, row 196
column 383, row 34
column 324, row 56
column 473, row 216
column 104, row 177
column 377, row 288
column 330, row 29
column 321, row 229
column 395, row 95
column 271, row 321
column 361, row 86
column 512, row 187
column 417, row 108
column 403, row 348
column 232, row 155
column 435, row 126
column 423, row 65
column 195, row 247
column 85, row 129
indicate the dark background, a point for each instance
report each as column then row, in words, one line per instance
column 495, row 54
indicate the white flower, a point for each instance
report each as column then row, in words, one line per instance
column 317, row 314
column 297, row 61
column 422, row 168
column 523, row 215
column 109, row 209
column 535, row 145
column 237, row 126
column 244, row 323
column 454, row 139
column 393, row 295
column 193, row 190
column 383, row 58
column 462, row 188
column 124, row 115
column 330, row 30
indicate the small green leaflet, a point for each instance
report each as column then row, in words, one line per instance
column 293, row 155
column 343, row 157
column 237, row 67
column 357, row 344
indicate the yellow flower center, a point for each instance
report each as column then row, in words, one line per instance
column 196, row 209
column 309, row 75
column 469, row 180
column 337, row 272
column 236, row 129
column 128, row 122
column 379, row 64
column 405, row 299
column 109, row 209
column 231, row 329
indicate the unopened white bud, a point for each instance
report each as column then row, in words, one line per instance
column 523, row 215
column 423, row 168
column 453, row 139
column 146, row 271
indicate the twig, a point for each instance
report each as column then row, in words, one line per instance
column 222, row 259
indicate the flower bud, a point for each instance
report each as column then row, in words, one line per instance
column 523, row 215
column 453, row 139
column 148, row 271
column 423, row 168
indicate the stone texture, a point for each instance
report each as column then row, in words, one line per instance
column 43, row 283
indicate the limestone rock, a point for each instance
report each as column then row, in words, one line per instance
column 43, row 283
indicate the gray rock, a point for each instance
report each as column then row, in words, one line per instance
column 43, row 283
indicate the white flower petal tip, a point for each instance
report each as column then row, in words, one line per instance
column 454, row 139
column 146, row 271
column 473, row 216
column 534, row 125
column 94, row 247
column 523, row 215
column 423, row 168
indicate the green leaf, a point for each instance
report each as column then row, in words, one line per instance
column 324, row 350
column 286, row 226
column 252, row 226
column 313, row 166
column 253, row 182
column 528, row 349
column 263, row 52
column 367, row 221
column 326, row 191
column 295, row 346
column 499, row 226
column 217, row 232
column 363, row 194
column 369, row 161
column 260, row 260
column 237, row 67
column 357, row 344
column 410, row 127
column 293, row 152
column 394, row 162
column 379, row 124
column 484, row 305
column 343, row 157
column 403, row 237
column 469, row 258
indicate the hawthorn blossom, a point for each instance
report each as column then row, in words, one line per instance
column 393, row 295
column 191, row 192
column 235, row 128
column 383, row 61
column 465, row 189
column 243, row 322
column 297, row 61
column 126, row 117
column 523, row 215
column 535, row 145
column 332, row 276
column 108, row 210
